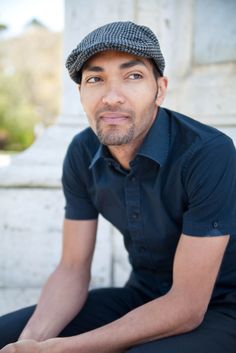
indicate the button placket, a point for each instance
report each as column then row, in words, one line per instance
column 133, row 206
column 132, row 201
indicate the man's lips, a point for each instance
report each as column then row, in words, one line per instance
column 114, row 118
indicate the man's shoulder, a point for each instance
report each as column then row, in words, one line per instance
column 85, row 138
column 85, row 141
column 190, row 131
column 83, row 147
column 192, row 125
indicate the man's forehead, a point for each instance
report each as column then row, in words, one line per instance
column 101, row 58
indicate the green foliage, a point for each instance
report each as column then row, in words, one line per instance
column 3, row 27
column 35, row 22
column 17, row 115
column 30, row 84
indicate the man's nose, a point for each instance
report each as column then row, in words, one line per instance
column 113, row 96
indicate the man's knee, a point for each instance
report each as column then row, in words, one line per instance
column 138, row 349
column 12, row 324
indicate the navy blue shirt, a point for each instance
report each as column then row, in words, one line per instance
column 182, row 180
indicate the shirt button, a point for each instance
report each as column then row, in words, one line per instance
column 135, row 215
column 215, row 224
column 133, row 179
column 142, row 249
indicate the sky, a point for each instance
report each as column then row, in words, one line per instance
column 16, row 13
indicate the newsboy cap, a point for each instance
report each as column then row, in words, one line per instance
column 122, row 36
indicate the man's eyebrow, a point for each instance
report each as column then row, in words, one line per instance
column 126, row 65
column 93, row 68
column 132, row 63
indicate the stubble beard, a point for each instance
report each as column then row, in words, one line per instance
column 116, row 135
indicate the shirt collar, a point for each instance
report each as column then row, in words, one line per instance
column 155, row 145
column 102, row 153
column 156, row 142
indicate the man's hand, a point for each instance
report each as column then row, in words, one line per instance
column 26, row 346
column 31, row 346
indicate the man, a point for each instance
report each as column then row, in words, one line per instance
column 168, row 183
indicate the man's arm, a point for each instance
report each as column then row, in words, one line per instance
column 182, row 309
column 196, row 265
column 66, row 289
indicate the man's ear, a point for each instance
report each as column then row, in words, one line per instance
column 162, row 83
column 78, row 86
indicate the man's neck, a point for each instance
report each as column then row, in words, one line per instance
column 124, row 154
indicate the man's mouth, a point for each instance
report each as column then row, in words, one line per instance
column 114, row 118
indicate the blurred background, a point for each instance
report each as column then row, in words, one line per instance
column 40, row 112
column 30, row 69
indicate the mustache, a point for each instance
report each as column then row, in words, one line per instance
column 130, row 113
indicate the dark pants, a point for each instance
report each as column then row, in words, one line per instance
column 216, row 334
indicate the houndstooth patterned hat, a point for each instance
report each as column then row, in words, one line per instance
column 122, row 36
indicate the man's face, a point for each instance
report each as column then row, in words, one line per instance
column 119, row 94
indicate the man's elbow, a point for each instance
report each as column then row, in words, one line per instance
column 194, row 318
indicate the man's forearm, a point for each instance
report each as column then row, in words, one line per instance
column 166, row 316
column 61, row 299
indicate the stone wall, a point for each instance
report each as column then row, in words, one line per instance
column 197, row 40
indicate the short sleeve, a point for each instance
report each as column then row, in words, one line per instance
column 78, row 202
column 210, row 184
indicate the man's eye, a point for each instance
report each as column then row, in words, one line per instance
column 135, row 76
column 93, row 79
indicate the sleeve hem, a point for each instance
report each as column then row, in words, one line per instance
column 213, row 229
column 71, row 213
column 80, row 218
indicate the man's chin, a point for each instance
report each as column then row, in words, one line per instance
column 114, row 137
column 109, row 142
column 117, row 140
